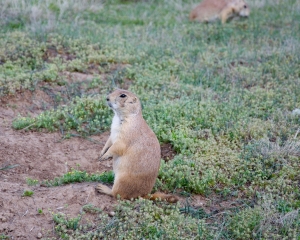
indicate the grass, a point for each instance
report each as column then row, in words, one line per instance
column 8, row 167
column 224, row 96
column 76, row 176
column 32, row 182
column 138, row 219
column 3, row 236
column 27, row 193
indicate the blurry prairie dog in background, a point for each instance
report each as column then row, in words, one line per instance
column 134, row 149
column 211, row 10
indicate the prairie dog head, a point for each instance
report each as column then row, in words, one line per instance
column 123, row 103
column 242, row 7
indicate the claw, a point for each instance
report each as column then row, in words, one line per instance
column 103, row 189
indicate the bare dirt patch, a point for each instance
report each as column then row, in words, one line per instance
column 28, row 217
column 167, row 152
column 41, row 156
column 24, row 103
column 77, row 76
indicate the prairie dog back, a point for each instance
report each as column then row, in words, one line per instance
column 211, row 10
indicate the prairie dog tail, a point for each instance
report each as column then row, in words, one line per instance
column 169, row 198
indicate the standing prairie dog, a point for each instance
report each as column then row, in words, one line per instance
column 210, row 10
column 134, row 149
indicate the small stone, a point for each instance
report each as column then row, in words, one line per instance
column 3, row 219
column 111, row 214
column 39, row 236
column 296, row 111
column 102, row 207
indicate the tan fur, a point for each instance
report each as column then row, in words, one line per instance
column 210, row 10
column 134, row 148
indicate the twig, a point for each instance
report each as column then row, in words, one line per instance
column 25, row 213
column 9, row 167
column 87, row 198
column 28, row 126
column 297, row 133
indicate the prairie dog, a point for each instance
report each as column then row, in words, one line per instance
column 210, row 10
column 134, row 149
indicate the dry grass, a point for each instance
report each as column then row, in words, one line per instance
column 263, row 3
column 274, row 149
column 44, row 15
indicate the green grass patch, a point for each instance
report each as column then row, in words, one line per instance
column 76, row 176
column 85, row 115
column 138, row 219
column 3, row 236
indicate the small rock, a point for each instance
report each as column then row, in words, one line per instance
column 102, row 207
column 296, row 111
column 111, row 214
column 3, row 219
column 39, row 236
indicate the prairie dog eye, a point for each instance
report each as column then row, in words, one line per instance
column 245, row 6
column 123, row 95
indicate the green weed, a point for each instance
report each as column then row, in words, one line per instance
column 64, row 223
column 3, row 236
column 31, row 182
column 91, row 209
column 27, row 193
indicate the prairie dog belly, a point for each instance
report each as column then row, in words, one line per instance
column 116, row 162
column 115, row 128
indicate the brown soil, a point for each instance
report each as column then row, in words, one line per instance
column 41, row 156
column 167, row 152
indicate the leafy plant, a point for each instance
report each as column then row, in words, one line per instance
column 27, row 193
column 138, row 219
column 31, row 182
